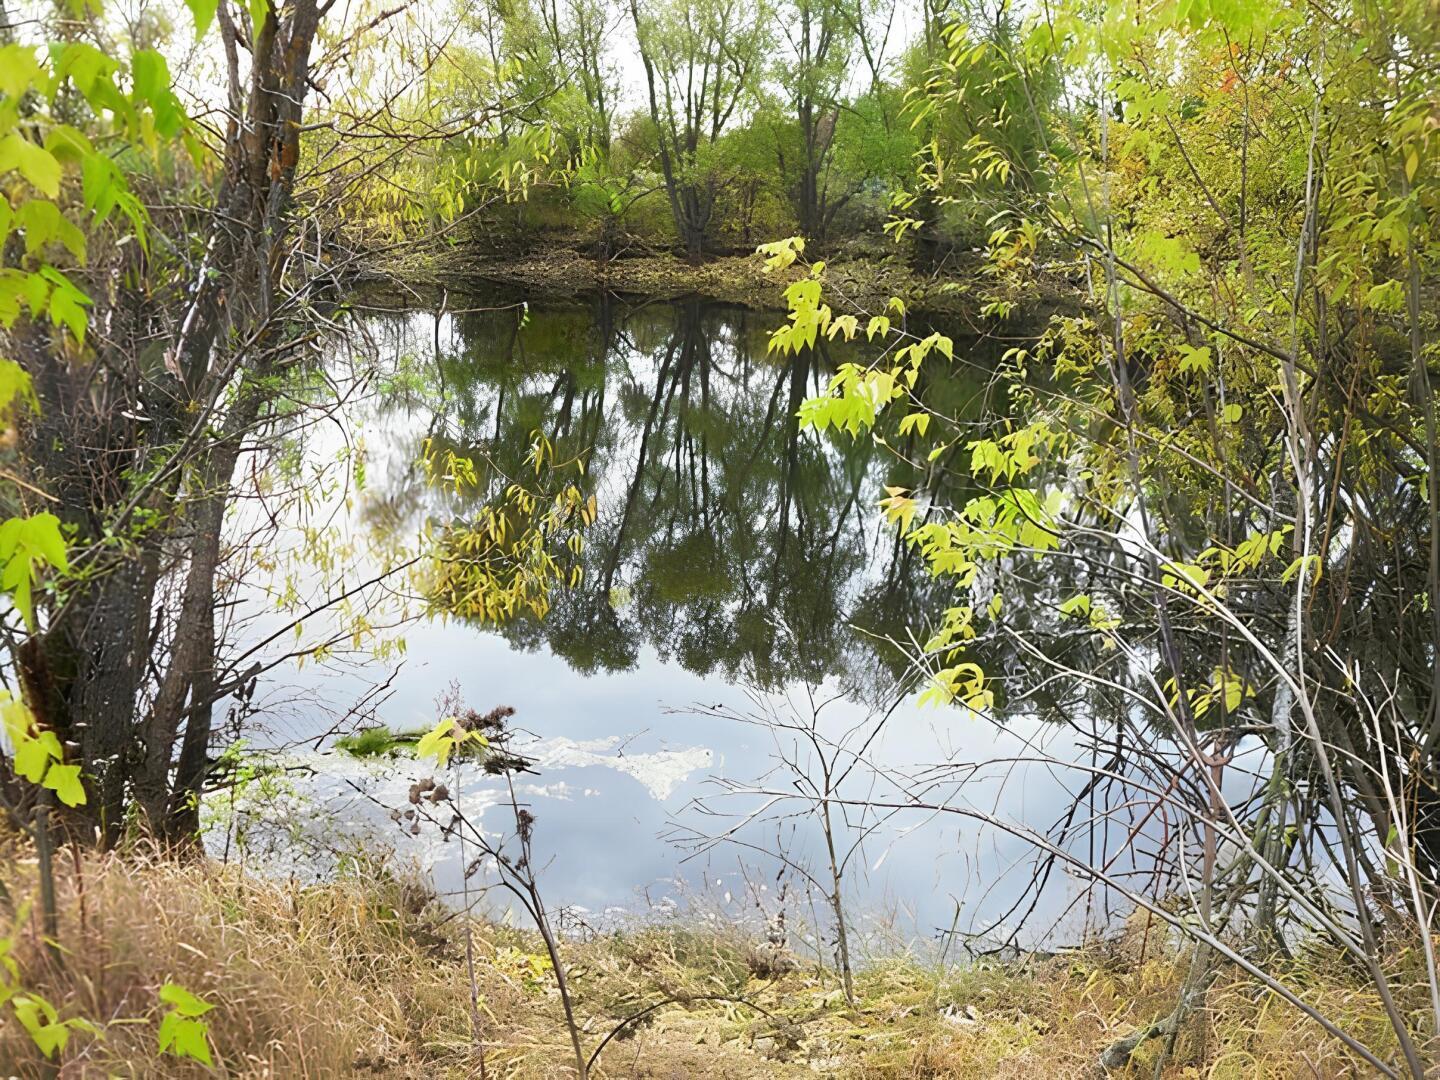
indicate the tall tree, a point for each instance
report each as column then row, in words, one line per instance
column 579, row 31
column 703, row 61
column 820, row 38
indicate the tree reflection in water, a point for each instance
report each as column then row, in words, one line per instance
column 727, row 539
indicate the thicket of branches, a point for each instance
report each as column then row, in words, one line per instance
column 1199, row 526
column 174, row 268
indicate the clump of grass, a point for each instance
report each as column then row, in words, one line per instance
column 376, row 742
column 305, row 981
column 365, row 975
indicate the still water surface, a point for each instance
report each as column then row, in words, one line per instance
column 735, row 562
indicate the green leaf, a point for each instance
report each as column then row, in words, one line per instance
column 35, row 289
column 437, row 742
column 1387, row 296
column 35, row 753
column 150, row 75
column 1306, row 564
column 183, row 1001
column 64, row 780
column 38, row 1017
column 203, row 11
column 185, row 1038
column 25, row 542
column 69, row 145
column 259, row 10
column 150, row 78
column 35, row 163
column 917, row 421
column 15, row 383
column 18, row 721
column 67, row 303
column 18, row 70
column 43, row 224
column 1192, row 359
column 781, row 253
column 85, row 66
column 41, row 534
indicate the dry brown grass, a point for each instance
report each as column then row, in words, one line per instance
column 365, row 977
column 303, row 980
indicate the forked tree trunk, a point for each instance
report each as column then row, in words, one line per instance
column 123, row 681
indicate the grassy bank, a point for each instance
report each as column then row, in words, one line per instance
column 367, row 977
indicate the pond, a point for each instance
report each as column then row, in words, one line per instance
column 737, row 570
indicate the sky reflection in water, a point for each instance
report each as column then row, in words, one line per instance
column 732, row 555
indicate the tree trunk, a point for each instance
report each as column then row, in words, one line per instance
column 149, row 496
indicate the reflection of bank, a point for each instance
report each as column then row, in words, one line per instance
column 727, row 538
